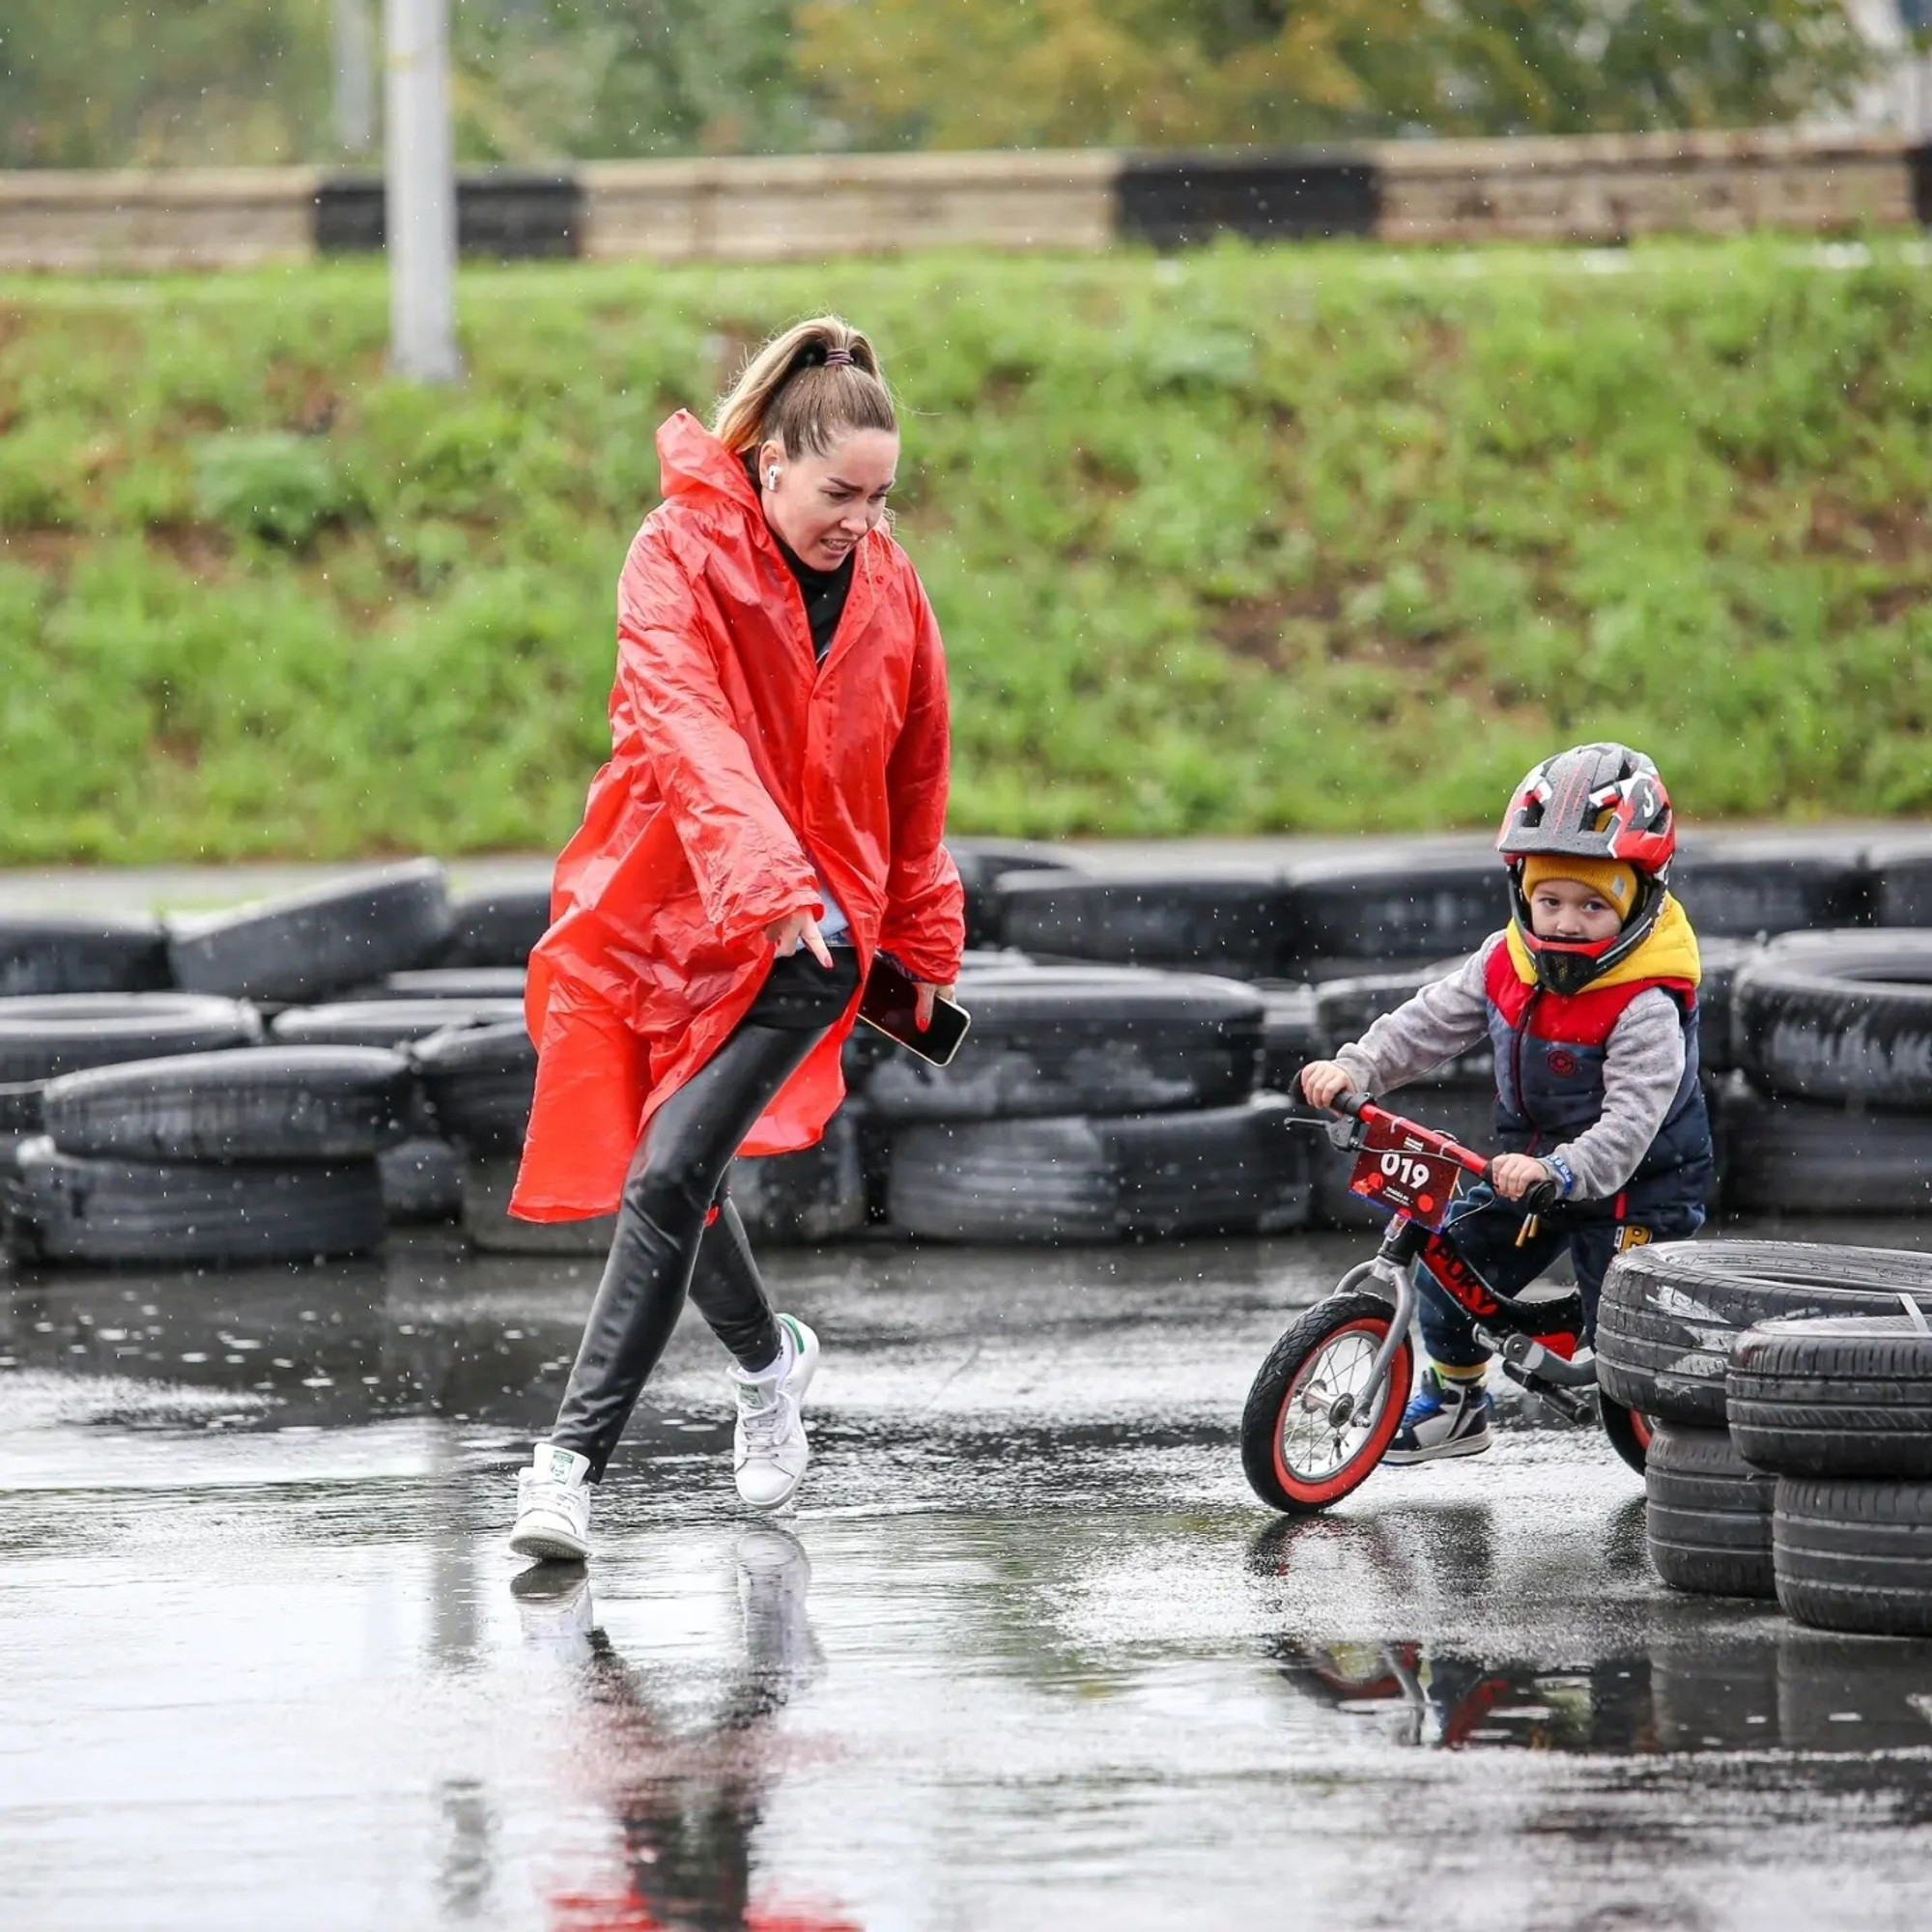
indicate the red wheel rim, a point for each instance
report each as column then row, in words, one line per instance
column 1380, row 1434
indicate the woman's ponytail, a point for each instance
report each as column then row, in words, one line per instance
column 804, row 390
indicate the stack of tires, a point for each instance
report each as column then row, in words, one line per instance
column 1839, row 1411
column 255, row 1154
column 144, row 1119
column 1830, row 1112
column 1789, row 1392
column 1089, row 1104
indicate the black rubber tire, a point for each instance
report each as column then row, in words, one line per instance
column 307, row 945
column 1722, row 960
column 1345, row 1010
column 1672, row 1313
column 1223, row 1169
column 1833, row 1396
column 421, row 1179
column 1273, row 1382
column 1348, row 917
column 799, row 1199
column 1062, row 1041
column 67, row 1208
column 1790, row 1158
column 1707, row 1515
column 495, row 925
column 272, row 1103
column 1737, row 886
column 1854, row 1553
column 21, row 1112
column 65, row 1033
column 982, row 862
column 1847, row 1022
column 503, row 985
column 391, row 1023
column 488, row 1180
column 1901, row 881
column 479, row 1082
column 1228, row 920
column 50, row 953
column 1290, row 1039
column 1629, row 1433
column 1465, row 1114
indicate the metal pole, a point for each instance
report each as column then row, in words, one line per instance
column 354, row 77
column 419, row 180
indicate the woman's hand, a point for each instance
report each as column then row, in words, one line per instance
column 929, row 992
column 796, row 929
column 1323, row 1083
column 1514, row 1174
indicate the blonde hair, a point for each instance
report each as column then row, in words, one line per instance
column 789, row 395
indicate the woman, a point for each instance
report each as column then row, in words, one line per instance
column 768, row 819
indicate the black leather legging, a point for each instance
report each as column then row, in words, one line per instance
column 678, row 1176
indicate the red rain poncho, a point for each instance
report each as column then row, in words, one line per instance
column 734, row 756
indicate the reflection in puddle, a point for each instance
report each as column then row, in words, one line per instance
column 685, row 1791
column 1795, row 1692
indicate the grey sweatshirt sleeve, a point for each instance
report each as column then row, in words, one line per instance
column 1445, row 1018
column 1644, row 1064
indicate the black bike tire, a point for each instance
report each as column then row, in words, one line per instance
column 1261, row 1414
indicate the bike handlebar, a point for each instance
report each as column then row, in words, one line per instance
column 1537, row 1199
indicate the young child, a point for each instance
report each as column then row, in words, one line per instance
column 1590, row 997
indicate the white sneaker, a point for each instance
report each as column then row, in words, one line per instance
column 768, row 1446
column 554, row 1506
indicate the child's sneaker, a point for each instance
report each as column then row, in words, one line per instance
column 1443, row 1418
column 768, row 1446
column 554, row 1506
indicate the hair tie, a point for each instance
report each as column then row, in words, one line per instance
column 838, row 358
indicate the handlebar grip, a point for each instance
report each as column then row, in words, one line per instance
column 1349, row 1103
column 1538, row 1197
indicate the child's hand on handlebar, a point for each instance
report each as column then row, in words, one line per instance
column 1514, row 1174
column 1323, row 1083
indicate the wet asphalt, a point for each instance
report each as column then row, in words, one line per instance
column 1028, row 1653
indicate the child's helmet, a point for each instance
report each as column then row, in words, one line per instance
column 1599, row 802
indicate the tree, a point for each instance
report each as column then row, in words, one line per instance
column 98, row 83
column 1011, row 72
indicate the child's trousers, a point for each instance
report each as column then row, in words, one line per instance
column 1476, row 1257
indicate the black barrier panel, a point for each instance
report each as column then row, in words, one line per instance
column 348, row 215
column 1174, row 200
column 507, row 216
column 1919, row 160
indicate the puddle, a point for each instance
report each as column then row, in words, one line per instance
column 1792, row 1692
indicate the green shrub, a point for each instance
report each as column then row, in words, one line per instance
column 271, row 485
column 1323, row 537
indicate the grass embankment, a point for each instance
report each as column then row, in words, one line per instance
column 1251, row 540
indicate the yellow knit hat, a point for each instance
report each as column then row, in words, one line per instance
column 1614, row 882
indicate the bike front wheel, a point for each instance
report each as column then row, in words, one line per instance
column 1313, row 1430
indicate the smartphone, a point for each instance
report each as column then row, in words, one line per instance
column 889, row 1006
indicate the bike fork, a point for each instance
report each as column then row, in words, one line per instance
column 1394, row 1271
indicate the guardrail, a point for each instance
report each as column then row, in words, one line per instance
column 1599, row 188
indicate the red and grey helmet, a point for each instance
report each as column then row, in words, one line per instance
column 1602, row 802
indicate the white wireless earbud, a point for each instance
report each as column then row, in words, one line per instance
column 771, row 477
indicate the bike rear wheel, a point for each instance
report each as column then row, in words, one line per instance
column 1628, row 1429
column 1298, row 1458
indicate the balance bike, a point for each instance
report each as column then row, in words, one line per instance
column 1329, row 1399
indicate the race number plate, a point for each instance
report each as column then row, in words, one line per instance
column 1396, row 1171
